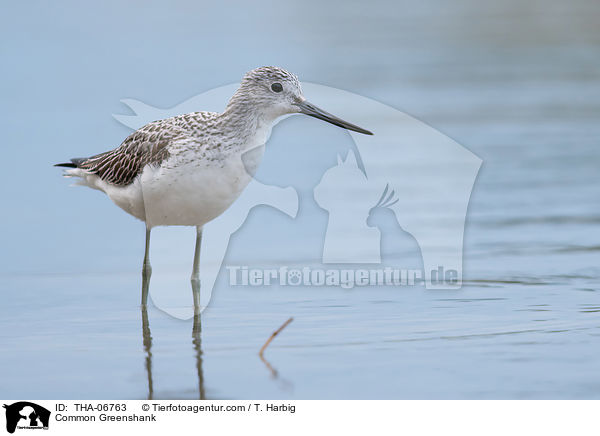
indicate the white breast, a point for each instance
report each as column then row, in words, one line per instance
column 188, row 191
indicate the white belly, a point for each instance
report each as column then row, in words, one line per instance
column 192, row 192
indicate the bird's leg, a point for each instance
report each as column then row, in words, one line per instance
column 146, row 270
column 195, row 279
column 196, row 330
column 196, row 268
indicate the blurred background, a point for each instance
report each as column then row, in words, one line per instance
column 515, row 82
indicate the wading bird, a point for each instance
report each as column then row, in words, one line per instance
column 188, row 169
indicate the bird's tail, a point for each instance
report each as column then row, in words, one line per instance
column 75, row 163
column 74, row 169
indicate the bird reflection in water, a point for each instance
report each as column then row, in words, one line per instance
column 147, row 341
column 196, row 342
column 196, row 338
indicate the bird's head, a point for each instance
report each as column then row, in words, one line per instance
column 276, row 92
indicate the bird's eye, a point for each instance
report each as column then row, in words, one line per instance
column 276, row 87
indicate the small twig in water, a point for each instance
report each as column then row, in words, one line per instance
column 275, row 333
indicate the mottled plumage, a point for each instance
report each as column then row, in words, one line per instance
column 150, row 145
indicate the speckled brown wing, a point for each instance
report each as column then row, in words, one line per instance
column 146, row 146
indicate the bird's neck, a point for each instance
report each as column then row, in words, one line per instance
column 244, row 120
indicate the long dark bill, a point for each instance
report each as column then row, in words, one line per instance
column 313, row 111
